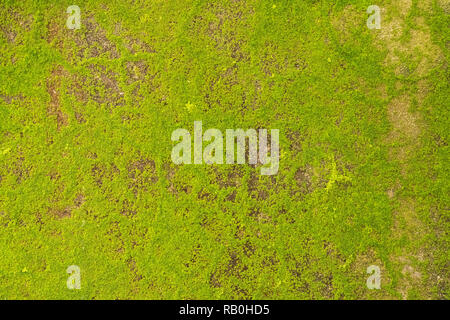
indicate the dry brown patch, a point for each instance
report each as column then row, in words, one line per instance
column 346, row 21
column 128, row 209
column 94, row 41
column 406, row 129
column 304, row 179
column 53, row 89
column 106, row 88
column 142, row 174
column 88, row 42
column 407, row 223
column 101, row 172
column 444, row 4
column 418, row 46
column 224, row 40
column 18, row 25
column 66, row 212
column 426, row 5
column 403, row 121
column 403, row 6
column 135, row 45
column 132, row 265
column 205, row 195
column 137, row 70
column 407, row 126
column 13, row 98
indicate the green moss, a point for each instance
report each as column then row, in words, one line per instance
column 86, row 178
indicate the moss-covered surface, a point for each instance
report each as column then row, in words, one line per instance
column 86, row 177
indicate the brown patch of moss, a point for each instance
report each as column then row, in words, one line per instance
column 53, row 89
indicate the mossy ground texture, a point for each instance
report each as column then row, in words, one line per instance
column 86, row 176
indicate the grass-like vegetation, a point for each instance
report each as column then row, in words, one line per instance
column 86, row 177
